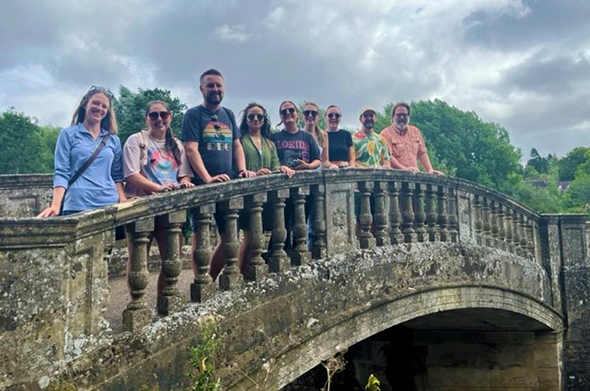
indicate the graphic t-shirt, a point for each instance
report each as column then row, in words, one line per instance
column 150, row 157
column 371, row 150
column 293, row 146
column 215, row 132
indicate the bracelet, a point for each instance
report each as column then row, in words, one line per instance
column 240, row 172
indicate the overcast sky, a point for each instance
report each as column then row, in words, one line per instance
column 523, row 64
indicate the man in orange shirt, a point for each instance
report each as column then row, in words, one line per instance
column 405, row 142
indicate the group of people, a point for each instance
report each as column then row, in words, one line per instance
column 93, row 170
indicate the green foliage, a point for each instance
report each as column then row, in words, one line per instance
column 373, row 384
column 130, row 109
column 538, row 163
column 571, row 161
column 202, row 359
column 23, row 145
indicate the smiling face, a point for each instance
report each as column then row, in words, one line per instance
column 97, row 107
column 310, row 114
column 368, row 119
column 255, row 118
column 212, row 88
column 333, row 117
column 158, row 118
column 400, row 118
column 289, row 114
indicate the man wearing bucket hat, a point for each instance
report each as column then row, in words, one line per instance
column 370, row 148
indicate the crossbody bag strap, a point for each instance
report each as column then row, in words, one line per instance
column 89, row 161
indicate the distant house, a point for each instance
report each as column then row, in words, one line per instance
column 542, row 183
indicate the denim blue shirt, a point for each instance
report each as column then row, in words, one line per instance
column 96, row 186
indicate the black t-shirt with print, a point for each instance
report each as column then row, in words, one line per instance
column 292, row 146
column 215, row 132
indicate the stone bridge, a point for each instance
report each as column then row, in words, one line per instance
column 502, row 289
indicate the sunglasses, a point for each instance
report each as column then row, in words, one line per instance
column 104, row 90
column 313, row 113
column 154, row 115
column 290, row 110
column 333, row 115
column 259, row 117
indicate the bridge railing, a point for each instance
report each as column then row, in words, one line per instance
column 54, row 271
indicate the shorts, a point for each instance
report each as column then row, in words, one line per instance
column 267, row 218
column 219, row 221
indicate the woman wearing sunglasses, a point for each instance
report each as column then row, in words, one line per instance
column 261, row 158
column 153, row 162
column 87, row 161
column 311, row 113
column 341, row 149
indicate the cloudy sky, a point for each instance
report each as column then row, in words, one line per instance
column 522, row 63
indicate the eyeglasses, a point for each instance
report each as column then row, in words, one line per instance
column 333, row 115
column 401, row 115
column 313, row 113
column 251, row 117
column 290, row 110
column 104, row 90
column 154, row 115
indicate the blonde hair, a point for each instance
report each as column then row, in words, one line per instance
column 318, row 134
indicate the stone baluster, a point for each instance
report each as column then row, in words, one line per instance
column 138, row 314
column 319, row 245
column 395, row 217
column 278, row 260
column 453, row 218
column 231, row 277
column 170, row 300
column 408, row 212
column 500, row 224
column 431, row 215
column 530, row 247
column 301, row 255
column 255, row 267
column 508, row 229
column 478, row 223
column 494, row 222
column 366, row 239
column 442, row 214
column 485, row 213
column 522, row 234
column 420, row 215
column 381, row 234
column 202, row 287
column 515, row 233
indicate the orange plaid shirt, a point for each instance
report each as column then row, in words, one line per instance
column 405, row 148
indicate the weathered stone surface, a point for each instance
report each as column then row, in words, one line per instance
column 24, row 195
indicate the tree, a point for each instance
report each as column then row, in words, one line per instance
column 571, row 161
column 130, row 110
column 23, row 148
column 464, row 144
column 538, row 163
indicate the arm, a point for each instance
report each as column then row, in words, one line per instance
column 240, row 159
column 351, row 154
column 56, row 200
column 117, row 170
column 194, row 158
column 396, row 164
column 325, row 160
column 308, row 166
column 425, row 160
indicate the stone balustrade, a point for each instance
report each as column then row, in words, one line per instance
column 54, row 274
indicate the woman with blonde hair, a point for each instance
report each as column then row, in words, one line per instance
column 311, row 112
column 341, row 149
column 88, row 156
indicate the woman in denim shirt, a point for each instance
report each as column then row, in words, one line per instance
column 101, row 184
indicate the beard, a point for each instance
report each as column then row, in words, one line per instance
column 214, row 98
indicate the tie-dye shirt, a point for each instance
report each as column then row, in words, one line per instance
column 370, row 151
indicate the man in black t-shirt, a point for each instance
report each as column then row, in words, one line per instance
column 212, row 143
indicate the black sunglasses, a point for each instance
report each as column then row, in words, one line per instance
column 154, row 115
column 251, row 117
column 104, row 90
column 290, row 110
column 313, row 113
column 333, row 115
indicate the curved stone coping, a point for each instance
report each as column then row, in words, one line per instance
column 294, row 319
column 61, row 230
column 26, row 181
